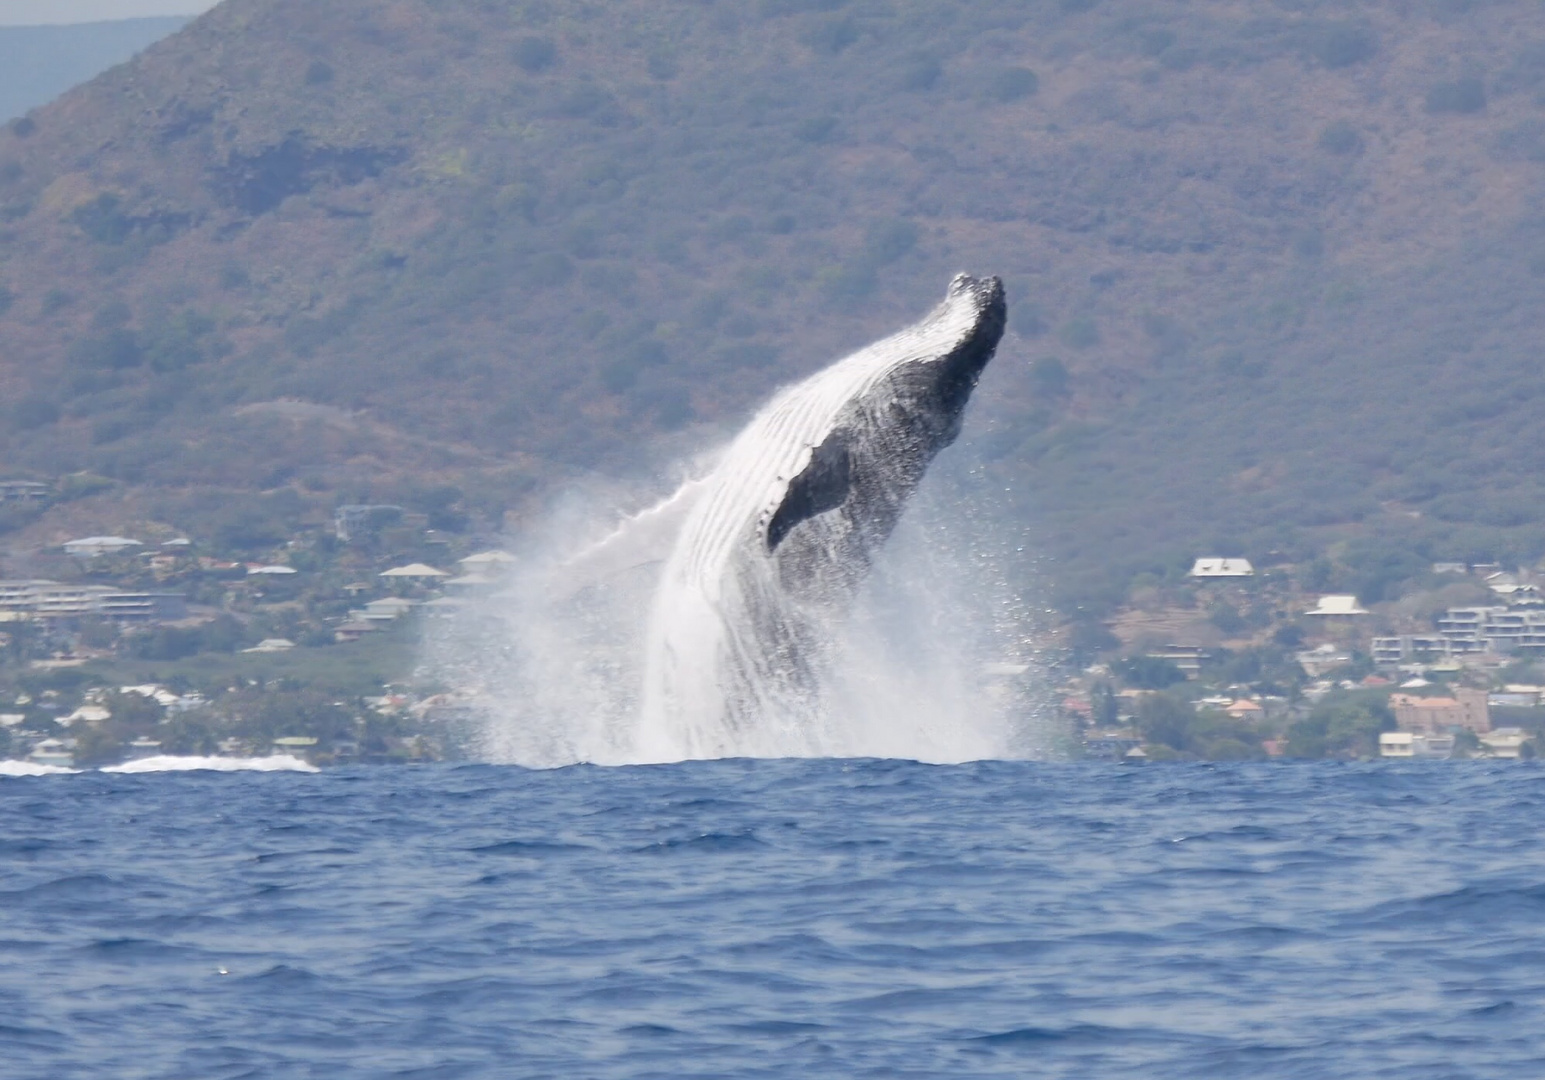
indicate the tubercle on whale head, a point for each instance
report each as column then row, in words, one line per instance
column 988, row 291
column 977, row 347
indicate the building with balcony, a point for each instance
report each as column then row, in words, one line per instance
column 1467, row 709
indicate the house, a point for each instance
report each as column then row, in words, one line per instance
column 295, row 745
column 414, row 571
column 471, row 583
column 1406, row 744
column 1389, row 651
column 22, row 600
column 1506, row 742
column 1480, row 629
column 354, row 629
column 58, row 753
column 23, row 491
column 269, row 571
column 94, row 546
column 271, row 645
column 1450, row 568
column 486, row 561
column 1519, row 594
column 160, row 695
column 1244, row 709
column 1214, row 567
column 1397, row 744
column 143, row 747
column 1466, row 709
column 1505, row 700
column 1322, row 660
column 86, row 714
column 1188, row 658
column 1336, row 606
column 1110, row 746
column 142, row 607
column 387, row 609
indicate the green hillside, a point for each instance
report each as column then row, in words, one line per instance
column 1274, row 270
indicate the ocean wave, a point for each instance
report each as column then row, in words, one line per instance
column 171, row 763
column 31, row 768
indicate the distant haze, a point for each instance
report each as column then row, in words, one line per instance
column 44, row 12
column 38, row 63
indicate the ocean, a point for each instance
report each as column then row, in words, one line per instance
column 797, row 918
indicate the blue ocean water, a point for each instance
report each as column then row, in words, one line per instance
column 776, row 919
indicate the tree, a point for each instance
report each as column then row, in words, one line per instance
column 1163, row 719
column 1345, row 726
column 1148, row 672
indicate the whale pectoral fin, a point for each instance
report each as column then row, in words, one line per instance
column 644, row 538
column 822, row 485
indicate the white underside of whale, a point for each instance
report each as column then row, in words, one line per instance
column 730, row 652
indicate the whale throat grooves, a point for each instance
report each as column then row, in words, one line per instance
column 783, row 530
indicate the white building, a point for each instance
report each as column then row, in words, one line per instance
column 20, row 600
column 414, row 571
column 1331, row 606
column 485, row 561
column 93, row 546
column 1406, row 744
column 1506, row 742
column 1214, row 567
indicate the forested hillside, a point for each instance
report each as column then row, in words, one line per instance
column 1275, row 271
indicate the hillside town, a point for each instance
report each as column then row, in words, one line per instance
column 118, row 647
column 1235, row 663
column 115, row 646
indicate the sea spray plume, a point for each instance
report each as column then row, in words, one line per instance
column 775, row 540
column 721, row 620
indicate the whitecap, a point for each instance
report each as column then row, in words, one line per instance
column 31, row 768
column 172, row 763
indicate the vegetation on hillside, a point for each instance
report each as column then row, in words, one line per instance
column 1275, row 271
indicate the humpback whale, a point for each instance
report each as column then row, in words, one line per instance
column 767, row 550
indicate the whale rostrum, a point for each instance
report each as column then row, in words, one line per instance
column 766, row 550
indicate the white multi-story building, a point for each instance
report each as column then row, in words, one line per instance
column 1465, row 630
column 55, row 600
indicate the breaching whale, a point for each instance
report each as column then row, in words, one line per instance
column 767, row 549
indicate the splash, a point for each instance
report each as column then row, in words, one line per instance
column 172, row 763
column 757, row 609
column 31, row 768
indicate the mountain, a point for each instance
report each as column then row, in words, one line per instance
column 1275, row 270
column 38, row 63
